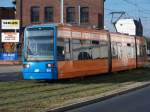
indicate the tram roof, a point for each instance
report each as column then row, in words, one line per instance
column 65, row 26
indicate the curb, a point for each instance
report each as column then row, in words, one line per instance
column 97, row 99
column 10, row 62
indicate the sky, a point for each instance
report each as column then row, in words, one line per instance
column 5, row 3
column 134, row 9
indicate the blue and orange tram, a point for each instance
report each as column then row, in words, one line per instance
column 53, row 51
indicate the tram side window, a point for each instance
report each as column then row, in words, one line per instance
column 142, row 49
column 114, row 50
column 89, row 49
column 60, row 50
column 67, row 49
column 1, row 47
column 119, row 50
column 81, row 50
column 60, row 53
column 63, row 49
column 130, row 50
column 138, row 50
column 76, row 48
column 95, row 49
column 99, row 49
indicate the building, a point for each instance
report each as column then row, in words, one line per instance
column 5, row 13
column 129, row 26
column 84, row 13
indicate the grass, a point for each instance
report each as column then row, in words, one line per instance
column 37, row 96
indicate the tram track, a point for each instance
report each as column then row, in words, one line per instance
column 41, row 95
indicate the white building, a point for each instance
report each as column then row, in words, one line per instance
column 129, row 26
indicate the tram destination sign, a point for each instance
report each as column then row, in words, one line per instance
column 10, row 37
column 10, row 24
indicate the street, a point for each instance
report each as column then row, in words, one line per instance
column 137, row 101
column 10, row 73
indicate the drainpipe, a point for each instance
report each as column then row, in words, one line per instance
column 62, row 11
column 79, row 8
column 21, row 13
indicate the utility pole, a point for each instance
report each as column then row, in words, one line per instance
column 79, row 9
column 62, row 11
column 115, row 21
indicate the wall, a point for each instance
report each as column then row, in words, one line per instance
column 96, row 12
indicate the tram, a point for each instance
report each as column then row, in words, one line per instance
column 53, row 51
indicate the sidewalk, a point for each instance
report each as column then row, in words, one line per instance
column 10, row 63
column 101, row 97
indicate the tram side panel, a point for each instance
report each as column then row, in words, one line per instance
column 82, row 57
column 123, row 52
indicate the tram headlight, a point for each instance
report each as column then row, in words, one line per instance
column 26, row 65
column 50, row 65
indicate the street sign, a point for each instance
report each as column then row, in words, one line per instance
column 8, row 56
column 10, row 37
column 11, row 24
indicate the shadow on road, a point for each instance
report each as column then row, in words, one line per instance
column 10, row 73
column 10, row 76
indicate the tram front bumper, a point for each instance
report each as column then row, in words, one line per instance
column 37, row 76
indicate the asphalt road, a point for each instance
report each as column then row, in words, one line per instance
column 137, row 101
column 10, row 73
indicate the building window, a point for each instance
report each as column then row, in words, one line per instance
column 70, row 14
column 35, row 14
column 49, row 14
column 84, row 15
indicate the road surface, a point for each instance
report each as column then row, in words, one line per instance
column 10, row 73
column 137, row 101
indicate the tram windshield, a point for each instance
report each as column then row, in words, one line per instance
column 39, row 44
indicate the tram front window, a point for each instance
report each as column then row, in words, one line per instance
column 39, row 44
